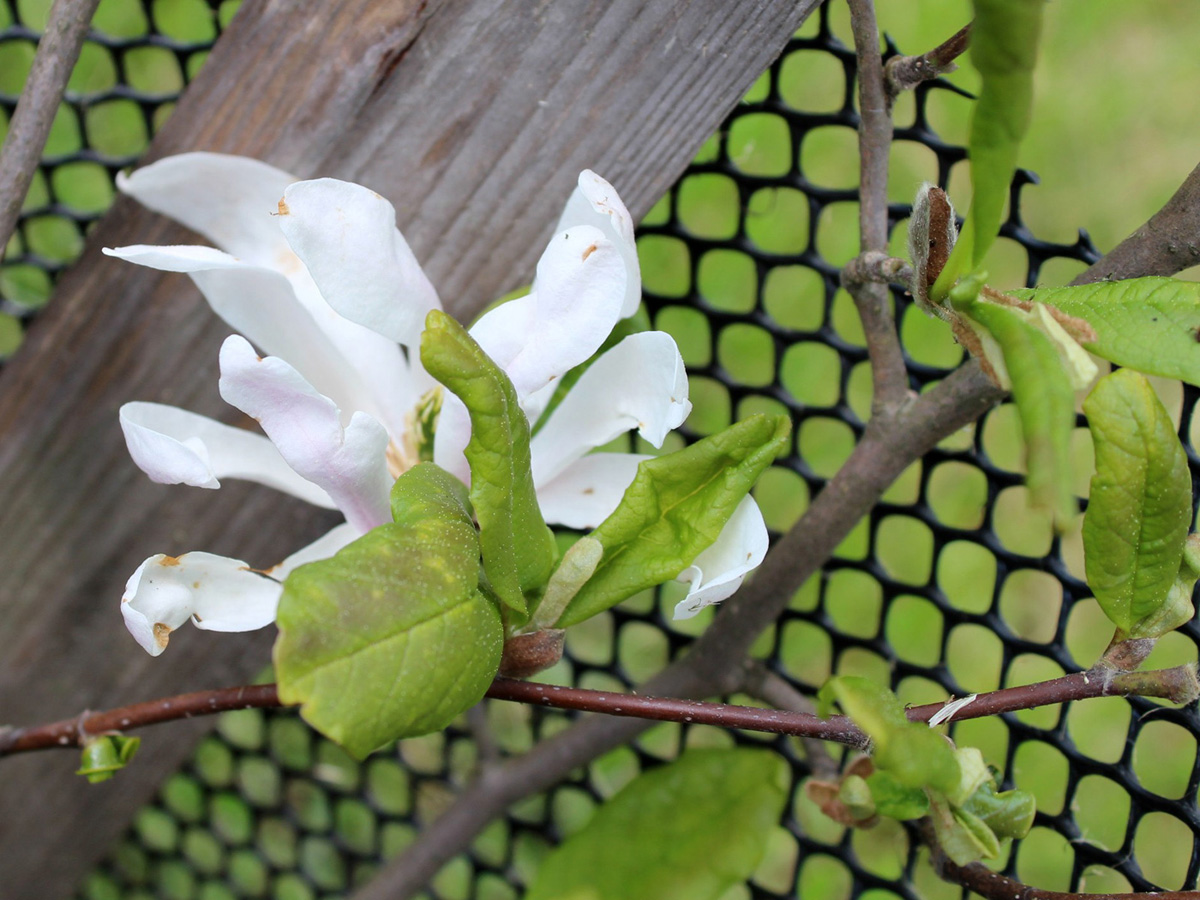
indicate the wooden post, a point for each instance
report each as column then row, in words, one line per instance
column 473, row 117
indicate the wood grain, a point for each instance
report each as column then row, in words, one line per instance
column 474, row 117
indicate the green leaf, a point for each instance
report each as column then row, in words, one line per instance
column 1008, row 814
column 1004, row 42
column 896, row 800
column 391, row 637
column 518, row 549
column 911, row 752
column 1148, row 324
column 674, row 509
column 1035, row 365
column 105, row 755
column 1140, row 508
column 690, row 830
column 962, row 835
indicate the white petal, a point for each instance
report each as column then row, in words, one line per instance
column 347, row 237
column 718, row 571
column 350, row 463
column 640, row 383
column 261, row 305
column 218, row 593
column 451, row 438
column 576, row 300
column 231, row 200
column 174, row 446
column 586, row 492
column 322, row 548
column 595, row 202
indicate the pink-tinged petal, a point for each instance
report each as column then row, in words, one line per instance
column 349, row 462
column 576, row 300
column 261, row 305
column 347, row 237
column 718, row 571
column 174, row 446
column 585, row 493
column 640, row 383
column 322, row 548
column 595, row 202
column 217, row 593
column 231, row 200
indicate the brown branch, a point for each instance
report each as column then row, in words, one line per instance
column 903, row 73
column 775, row 690
column 1168, row 243
column 889, row 375
column 57, row 52
column 981, row 880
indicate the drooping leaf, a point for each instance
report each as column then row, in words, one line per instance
column 674, row 509
column 686, row 831
column 518, row 548
column 1148, row 324
column 391, row 637
column 1004, row 42
column 915, row 755
column 1140, row 508
column 1041, row 387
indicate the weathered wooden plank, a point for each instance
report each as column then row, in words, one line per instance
column 474, row 116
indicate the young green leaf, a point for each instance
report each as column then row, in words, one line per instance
column 1008, row 814
column 896, row 800
column 690, row 830
column 674, row 509
column 104, row 755
column 963, row 836
column 1004, row 42
column 391, row 637
column 1148, row 324
column 1041, row 386
column 1140, row 508
column 518, row 549
column 915, row 755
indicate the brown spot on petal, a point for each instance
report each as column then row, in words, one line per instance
column 589, row 251
column 587, row 491
column 195, row 585
column 162, row 634
column 283, row 208
column 168, row 561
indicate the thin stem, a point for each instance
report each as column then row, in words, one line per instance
column 764, row 684
column 903, row 73
column 981, row 880
column 888, row 372
column 57, row 52
column 1179, row 684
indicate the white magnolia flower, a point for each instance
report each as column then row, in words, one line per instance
column 324, row 283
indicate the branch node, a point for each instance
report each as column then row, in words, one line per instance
column 903, row 73
column 875, row 266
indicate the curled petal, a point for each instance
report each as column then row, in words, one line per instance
column 640, row 383
column 261, row 305
column 575, row 302
column 231, row 200
column 349, row 462
column 595, row 202
column 217, row 593
column 718, row 571
column 347, row 237
column 586, row 492
column 174, row 446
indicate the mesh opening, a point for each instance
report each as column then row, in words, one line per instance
column 949, row 586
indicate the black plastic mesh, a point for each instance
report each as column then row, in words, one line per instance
column 950, row 585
